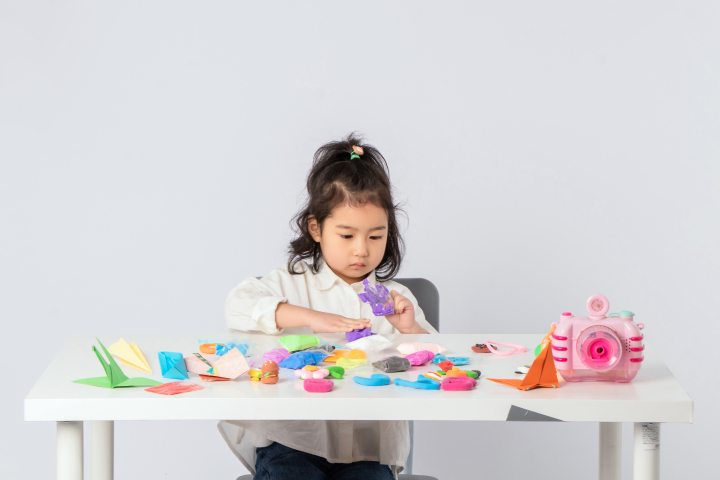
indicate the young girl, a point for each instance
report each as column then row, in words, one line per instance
column 348, row 232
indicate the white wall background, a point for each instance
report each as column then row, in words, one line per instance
column 152, row 154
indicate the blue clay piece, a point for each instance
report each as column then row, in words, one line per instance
column 460, row 360
column 422, row 383
column 300, row 359
column 439, row 357
column 375, row 380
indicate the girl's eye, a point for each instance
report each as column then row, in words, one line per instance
column 346, row 236
column 376, row 238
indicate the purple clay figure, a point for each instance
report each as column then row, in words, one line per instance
column 358, row 333
column 378, row 296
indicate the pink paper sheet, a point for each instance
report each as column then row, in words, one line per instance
column 174, row 388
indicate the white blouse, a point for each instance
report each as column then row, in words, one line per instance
column 250, row 307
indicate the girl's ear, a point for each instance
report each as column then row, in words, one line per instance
column 314, row 228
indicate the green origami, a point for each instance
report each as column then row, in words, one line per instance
column 114, row 377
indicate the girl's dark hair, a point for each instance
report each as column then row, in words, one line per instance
column 335, row 179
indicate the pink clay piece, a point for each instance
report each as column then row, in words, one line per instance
column 454, row 384
column 318, row 385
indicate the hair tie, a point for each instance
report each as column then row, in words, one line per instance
column 357, row 151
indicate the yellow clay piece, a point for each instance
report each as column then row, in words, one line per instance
column 356, row 354
column 255, row 374
column 348, row 363
column 310, row 368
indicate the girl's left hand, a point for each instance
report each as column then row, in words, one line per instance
column 404, row 317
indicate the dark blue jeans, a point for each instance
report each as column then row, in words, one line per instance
column 278, row 462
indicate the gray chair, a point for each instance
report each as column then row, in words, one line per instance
column 428, row 299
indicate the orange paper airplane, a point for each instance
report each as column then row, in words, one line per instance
column 542, row 373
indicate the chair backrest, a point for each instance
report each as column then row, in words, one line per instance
column 428, row 297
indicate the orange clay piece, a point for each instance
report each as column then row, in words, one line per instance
column 310, row 368
column 209, row 347
column 337, row 355
column 456, row 372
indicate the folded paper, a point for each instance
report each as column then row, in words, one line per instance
column 174, row 388
column 542, row 373
column 130, row 354
column 172, row 365
column 114, row 376
column 231, row 365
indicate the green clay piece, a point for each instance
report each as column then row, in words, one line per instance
column 538, row 349
column 336, row 372
column 440, row 372
column 293, row 343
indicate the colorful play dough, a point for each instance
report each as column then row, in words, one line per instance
column 379, row 298
column 318, row 385
column 458, row 383
column 420, row 358
column 446, row 365
column 455, row 360
column 311, row 371
column 393, row 364
column 351, row 354
column 209, row 347
column 293, row 343
column 270, row 371
column 358, row 333
column 422, row 383
column 336, row 372
column 300, row 359
column 435, row 376
column 375, row 380
column 277, row 355
column 349, row 363
column 456, row 372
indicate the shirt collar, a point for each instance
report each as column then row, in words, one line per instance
column 326, row 278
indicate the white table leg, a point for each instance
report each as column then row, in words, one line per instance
column 610, row 464
column 69, row 450
column 102, row 437
column 646, row 456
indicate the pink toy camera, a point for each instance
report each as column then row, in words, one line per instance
column 598, row 347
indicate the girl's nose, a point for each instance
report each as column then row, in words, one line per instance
column 361, row 248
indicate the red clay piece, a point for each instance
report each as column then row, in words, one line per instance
column 445, row 365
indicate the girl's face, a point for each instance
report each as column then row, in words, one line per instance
column 352, row 240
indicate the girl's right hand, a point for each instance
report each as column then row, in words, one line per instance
column 329, row 323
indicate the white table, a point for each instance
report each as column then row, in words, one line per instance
column 653, row 397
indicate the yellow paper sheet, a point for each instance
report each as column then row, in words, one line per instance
column 130, row 354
